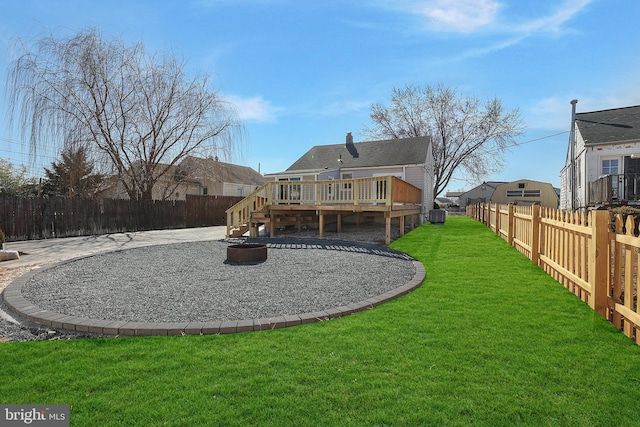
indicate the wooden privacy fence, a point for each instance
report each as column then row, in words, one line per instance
column 26, row 218
column 580, row 250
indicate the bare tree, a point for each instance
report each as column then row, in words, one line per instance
column 140, row 112
column 468, row 137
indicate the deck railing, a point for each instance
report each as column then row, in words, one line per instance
column 375, row 191
column 581, row 250
column 616, row 188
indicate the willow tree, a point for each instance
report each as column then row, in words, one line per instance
column 469, row 137
column 139, row 112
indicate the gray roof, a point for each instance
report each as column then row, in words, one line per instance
column 393, row 152
column 218, row 171
column 610, row 126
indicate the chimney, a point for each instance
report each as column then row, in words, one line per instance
column 350, row 147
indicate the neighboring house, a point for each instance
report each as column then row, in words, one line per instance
column 603, row 156
column 443, row 202
column 410, row 159
column 197, row 176
column 217, row 178
column 526, row 192
column 454, row 196
column 480, row 194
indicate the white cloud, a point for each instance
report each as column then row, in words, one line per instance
column 254, row 109
column 553, row 22
column 551, row 114
column 458, row 15
column 470, row 16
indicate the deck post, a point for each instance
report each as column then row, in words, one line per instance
column 339, row 226
column 272, row 225
column 387, row 231
column 321, row 224
column 401, row 225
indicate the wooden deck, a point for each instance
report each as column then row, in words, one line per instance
column 283, row 203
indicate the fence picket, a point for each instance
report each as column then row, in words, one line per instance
column 593, row 255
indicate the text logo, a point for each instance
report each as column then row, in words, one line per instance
column 34, row 415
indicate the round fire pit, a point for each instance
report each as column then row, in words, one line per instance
column 246, row 253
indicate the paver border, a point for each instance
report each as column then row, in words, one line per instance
column 30, row 312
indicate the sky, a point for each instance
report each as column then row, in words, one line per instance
column 304, row 72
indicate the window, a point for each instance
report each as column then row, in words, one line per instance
column 205, row 191
column 523, row 193
column 609, row 166
column 347, row 185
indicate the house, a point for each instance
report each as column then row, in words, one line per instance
column 216, row 178
column 479, row 194
column 410, row 159
column 454, row 196
column 602, row 165
column 197, row 176
column 526, row 192
column 443, row 202
column 388, row 179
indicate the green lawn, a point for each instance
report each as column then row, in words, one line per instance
column 489, row 339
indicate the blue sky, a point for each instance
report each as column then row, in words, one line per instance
column 303, row 73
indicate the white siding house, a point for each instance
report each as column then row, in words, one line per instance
column 410, row 159
column 603, row 143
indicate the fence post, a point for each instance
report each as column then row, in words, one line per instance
column 535, row 234
column 599, row 267
column 487, row 214
column 511, row 227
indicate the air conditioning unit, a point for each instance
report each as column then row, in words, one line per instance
column 437, row 216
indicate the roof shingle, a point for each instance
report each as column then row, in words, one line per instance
column 609, row 126
column 393, row 152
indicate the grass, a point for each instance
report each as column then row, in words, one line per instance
column 489, row 339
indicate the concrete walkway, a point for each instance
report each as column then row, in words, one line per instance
column 42, row 252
